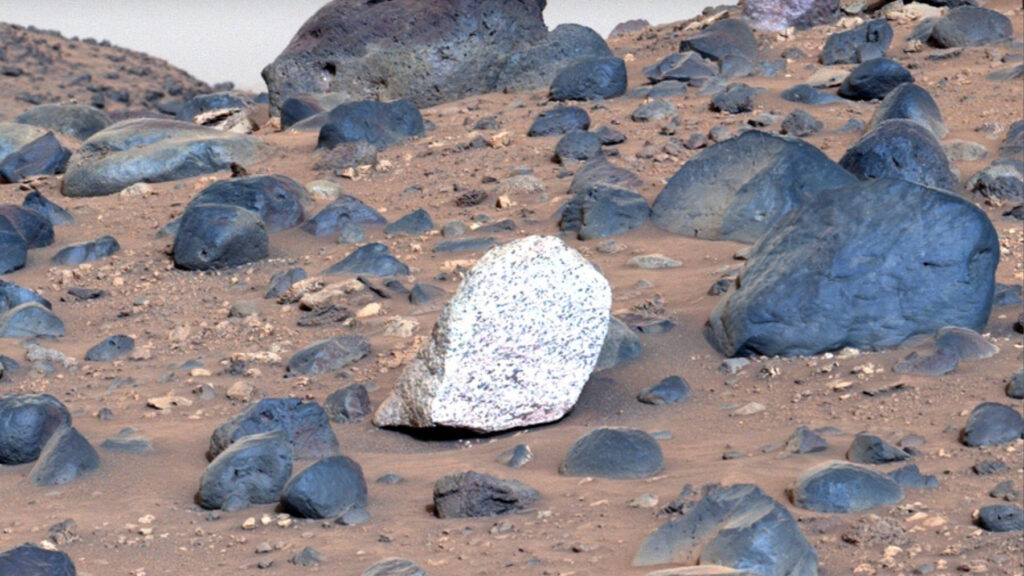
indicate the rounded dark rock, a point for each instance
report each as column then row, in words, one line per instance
column 29, row 320
column 865, row 42
column 621, row 344
column 729, row 37
column 277, row 199
column 800, row 123
column 684, row 67
column 66, row 456
column 903, row 150
column 909, row 101
column 671, row 390
column 75, row 120
column 44, row 155
column 12, row 296
column 298, row 108
column 75, row 254
column 395, row 567
column 964, row 343
column 473, row 495
column 600, row 211
column 560, row 120
column 382, row 124
column 803, row 440
column 590, row 79
column 578, row 146
column 305, row 425
column 110, row 348
column 346, row 210
column 971, row 26
column 370, row 260
column 13, row 248
column 870, row 449
column 28, row 560
column 809, row 95
column 1001, row 518
column 215, row 236
column 212, row 101
column 874, row 79
column 282, row 281
column 910, row 477
column 841, row 487
column 1015, row 387
column 614, row 453
column 27, row 421
column 349, row 404
column 41, row 205
column 654, row 111
column 735, row 99
column 991, row 424
column 128, row 440
column 414, row 223
column 33, row 227
column 253, row 470
column 325, row 489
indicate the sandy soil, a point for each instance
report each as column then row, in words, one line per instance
column 137, row 515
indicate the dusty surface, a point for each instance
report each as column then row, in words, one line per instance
column 136, row 515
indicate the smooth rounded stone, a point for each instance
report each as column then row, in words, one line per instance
column 346, row 155
column 736, row 526
column 75, row 254
column 800, row 123
column 671, row 390
column 13, row 248
column 654, row 111
column 213, row 236
column 213, row 101
column 277, row 199
column 578, row 146
column 423, row 294
column 910, row 477
column 395, row 567
column 308, row 556
column 27, row 421
column 350, row 404
column 12, row 295
column 971, row 26
column 865, row 42
column 15, row 135
column 44, row 155
column 329, row 355
column 516, row 457
column 28, row 560
column 930, row 365
column 1001, row 518
column 305, row 425
column 737, row 189
column 498, row 358
column 902, row 150
column 153, row 150
column 38, row 203
column 345, row 210
column 729, row 37
column 909, row 101
column 614, row 453
column 298, row 108
column 282, row 281
column 809, row 95
column 110, row 348
column 803, row 440
column 991, row 424
column 839, row 487
column 382, row 124
column 558, row 121
column 1001, row 182
column 474, row 495
column 29, row 320
column 600, row 211
column 857, row 256
column 874, row 79
column 870, row 449
column 621, row 344
column 687, row 67
column 964, row 151
column 778, row 15
column 33, row 227
column 735, row 99
column 128, row 440
column 253, row 470
column 1015, row 387
column 465, row 245
column 76, row 120
column 590, row 79
column 370, row 260
column 414, row 223
column 964, row 343
column 325, row 489
column 66, row 456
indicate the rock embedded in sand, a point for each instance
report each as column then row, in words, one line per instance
column 75, row 254
column 671, row 390
column 325, row 489
column 305, row 425
column 842, row 487
column 600, row 211
column 803, row 440
column 275, row 198
column 213, row 236
column 15, row 135
column 513, row 347
column 474, row 495
column 30, row 320
column 578, row 146
column 971, row 26
column 991, row 424
column 778, row 15
column 560, row 120
column 253, row 470
column 76, row 120
column 903, row 150
column 346, row 209
column 723, row 39
column 1001, row 518
column 66, row 456
column 395, row 567
column 29, row 560
column 614, row 453
column 41, row 205
column 33, row 227
column 737, row 98
column 13, row 248
column 865, row 42
column 381, row 124
column 348, row 404
column 590, row 79
column 621, row 344
column 874, row 79
column 27, row 421
column 964, row 343
column 1015, row 387
column 110, row 348
column 44, row 155
column 370, row 260
column 870, row 449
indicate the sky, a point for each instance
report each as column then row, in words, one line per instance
column 232, row 40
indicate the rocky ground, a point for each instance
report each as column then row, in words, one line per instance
column 207, row 344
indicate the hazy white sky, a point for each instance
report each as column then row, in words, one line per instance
column 221, row 40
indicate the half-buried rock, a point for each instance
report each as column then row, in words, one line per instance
column 855, row 266
column 13, row 248
column 29, row 320
column 75, row 254
column 382, row 124
column 66, row 456
column 370, row 260
column 27, row 421
column 329, row 355
column 474, row 495
column 902, row 150
column 843, row 487
column 251, row 471
column 277, row 199
column 28, row 560
column 614, row 453
column 305, row 425
column 326, row 489
column 215, row 236
column 513, row 347
column 991, row 424
column 153, row 150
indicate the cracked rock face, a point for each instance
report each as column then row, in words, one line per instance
column 514, row 346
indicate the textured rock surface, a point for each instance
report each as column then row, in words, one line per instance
column 75, row 120
column 29, row 320
column 325, row 489
column 329, row 355
column 277, row 199
column 215, row 236
column 44, row 155
column 777, row 15
column 13, row 248
column 874, row 79
column 27, row 421
column 250, row 471
column 805, row 291
column 381, row 124
column 590, row 79
column 842, row 487
column 614, row 453
column 499, row 356
column 902, row 150
column 66, row 456
column 971, row 26
column 474, row 495
column 305, row 425
column 75, row 254
column 865, row 42
column 909, row 101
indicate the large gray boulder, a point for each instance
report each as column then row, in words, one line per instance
column 75, row 120
column 513, row 347
column 14, row 135
column 901, row 150
column 737, row 189
column 777, row 15
column 865, row 265
column 153, row 150
column 426, row 52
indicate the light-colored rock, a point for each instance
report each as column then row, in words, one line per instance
column 514, row 346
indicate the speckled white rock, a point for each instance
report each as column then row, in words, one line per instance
column 514, row 346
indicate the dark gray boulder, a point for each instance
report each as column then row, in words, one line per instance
column 13, row 248
column 381, row 124
column 874, row 79
column 329, row 355
column 130, row 441
column 991, row 424
column 1001, row 518
column 153, row 150
column 729, row 37
column 614, row 453
column 305, row 425
column 927, row 365
column 655, row 110
column 66, row 456
column 465, row 245
column 800, row 123
column 999, row 181
column 110, row 348
column 12, row 295
column 842, row 487
column 213, row 236
column 736, row 189
column 971, row 26
column 809, row 95
column 75, row 254
column 426, row 294
column 601, row 172
column 738, row 527
column 76, row 120
column 964, row 343
column 27, row 421
column 415, row 223
column 14, row 135
column 908, row 101
column 901, row 150
column 560, row 120
column 29, row 320
column 346, row 210
column 44, row 155
column 1015, row 387
column 298, row 108
column 326, row 489
column 803, row 440
column 282, row 281
column 38, row 203
column 671, row 390
column 28, row 560
column 600, row 211
column 537, row 66
column 33, row 227
column 578, row 146
column 870, row 449
column 473, row 495
column 852, row 266
column 370, row 260
column 778, row 15
column 590, row 79
column 865, row 42
column 621, row 344
column 735, row 99
column 277, row 199
column 251, row 471
column 688, row 67
column 213, row 101
column 350, row 404
column 910, row 476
